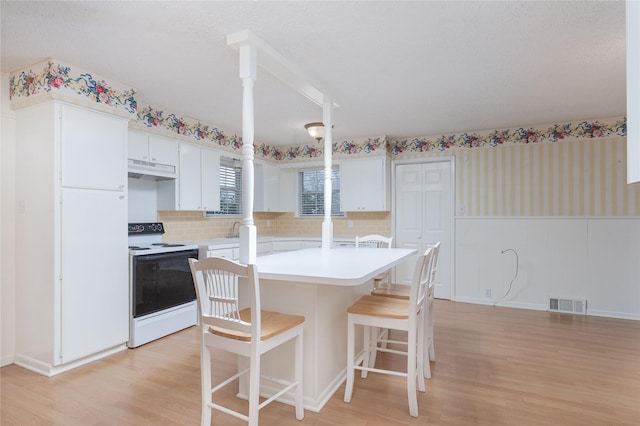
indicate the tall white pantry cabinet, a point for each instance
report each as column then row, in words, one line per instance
column 72, row 297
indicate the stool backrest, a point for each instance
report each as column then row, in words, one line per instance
column 216, row 281
column 420, row 282
column 374, row 240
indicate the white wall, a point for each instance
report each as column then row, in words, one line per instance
column 143, row 198
column 593, row 258
column 7, row 219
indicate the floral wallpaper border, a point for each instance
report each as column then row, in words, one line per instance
column 555, row 133
column 55, row 76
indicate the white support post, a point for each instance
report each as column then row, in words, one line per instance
column 248, row 45
column 327, row 225
column 248, row 232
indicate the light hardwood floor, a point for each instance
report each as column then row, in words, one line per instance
column 495, row 366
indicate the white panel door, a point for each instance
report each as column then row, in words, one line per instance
column 94, row 290
column 408, row 216
column 94, row 149
column 423, row 216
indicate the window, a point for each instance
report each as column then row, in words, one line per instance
column 230, row 188
column 311, row 192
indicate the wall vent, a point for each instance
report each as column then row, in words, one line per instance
column 573, row 306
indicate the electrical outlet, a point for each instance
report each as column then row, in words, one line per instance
column 350, row 224
column 487, row 292
column 268, row 223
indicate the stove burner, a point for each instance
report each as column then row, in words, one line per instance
column 138, row 248
column 167, row 245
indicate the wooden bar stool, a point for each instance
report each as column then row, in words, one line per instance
column 248, row 332
column 373, row 312
column 376, row 241
column 402, row 291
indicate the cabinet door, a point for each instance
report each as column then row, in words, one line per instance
column 231, row 254
column 288, row 190
column 363, row 184
column 163, row 150
column 210, row 180
column 138, row 147
column 267, row 188
column 94, row 290
column 93, row 153
column 190, row 177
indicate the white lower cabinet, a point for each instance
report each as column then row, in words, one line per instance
column 311, row 244
column 227, row 253
column 264, row 248
column 287, row 245
column 95, row 312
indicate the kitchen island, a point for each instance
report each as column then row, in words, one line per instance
column 320, row 285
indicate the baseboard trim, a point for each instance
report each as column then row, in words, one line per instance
column 536, row 307
column 49, row 370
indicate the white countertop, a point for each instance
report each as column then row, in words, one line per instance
column 221, row 243
column 343, row 266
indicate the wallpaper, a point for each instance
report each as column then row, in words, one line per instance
column 572, row 178
column 51, row 77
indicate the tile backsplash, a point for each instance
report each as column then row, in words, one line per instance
column 193, row 226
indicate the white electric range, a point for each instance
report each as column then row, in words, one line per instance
column 162, row 295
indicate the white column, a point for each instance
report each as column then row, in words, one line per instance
column 327, row 225
column 248, row 232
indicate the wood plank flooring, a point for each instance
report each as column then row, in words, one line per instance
column 495, row 366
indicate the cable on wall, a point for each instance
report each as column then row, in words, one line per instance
column 514, row 277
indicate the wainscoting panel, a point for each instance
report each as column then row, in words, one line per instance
column 597, row 259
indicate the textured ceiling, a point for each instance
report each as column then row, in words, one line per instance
column 396, row 68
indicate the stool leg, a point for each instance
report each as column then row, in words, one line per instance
column 376, row 334
column 298, row 378
column 421, row 356
column 254, row 387
column 411, row 374
column 426, row 366
column 368, row 354
column 350, row 359
column 205, row 371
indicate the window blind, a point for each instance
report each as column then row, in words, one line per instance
column 230, row 188
column 311, row 192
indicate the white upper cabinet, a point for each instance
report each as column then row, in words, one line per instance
column 267, row 188
column 152, row 148
column 210, row 167
column 93, row 149
column 288, row 190
column 364, row 184
column 199, row 178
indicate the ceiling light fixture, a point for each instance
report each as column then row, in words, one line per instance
column 316, row 130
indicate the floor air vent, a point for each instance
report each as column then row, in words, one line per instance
column 573, row 306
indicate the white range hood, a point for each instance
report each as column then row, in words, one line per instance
column 145, row 170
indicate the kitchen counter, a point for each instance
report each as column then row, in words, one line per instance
column 222, row 243
column 319, row 285
column 340, row 266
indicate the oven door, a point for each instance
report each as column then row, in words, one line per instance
column 161, row 281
